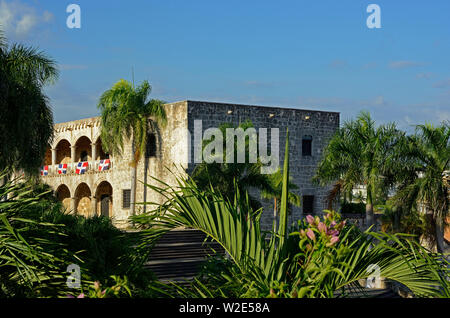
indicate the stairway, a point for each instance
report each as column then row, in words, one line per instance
column 370, row 293
column 178, row 255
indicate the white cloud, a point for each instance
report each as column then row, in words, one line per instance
column 47, row 16
column 425, row 75
column 380, row 101
column 338, row 63
column 19, row 19
column 404, row 64
column 442, row 84
column 26, row 23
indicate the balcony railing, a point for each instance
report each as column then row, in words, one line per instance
column 98, row 166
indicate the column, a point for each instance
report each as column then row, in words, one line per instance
column 53, row 168
column 72, row 156
column 53, row 156
column 94, row 205
column 94, row 155
column 72, row 153
column 74, row 205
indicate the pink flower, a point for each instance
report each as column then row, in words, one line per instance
column 310, row 219
column 333, row 224
column 310, row 235
column 341, row 225
column 322, row 227
column 333, row 232
column 80, row 295
column 334, row 240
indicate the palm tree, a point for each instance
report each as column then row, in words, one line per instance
column 225, row 175
column 26, row 119
column 360, row 154
column 426, row 157
column 126, row 112
column 275, row 192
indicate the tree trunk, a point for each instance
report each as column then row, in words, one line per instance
column 370, row 219
column 439, row 232
column 145, row 182
column 133, row 190
column 275, row 214
column 133, row 181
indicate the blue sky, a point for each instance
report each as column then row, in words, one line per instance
column 302, row 54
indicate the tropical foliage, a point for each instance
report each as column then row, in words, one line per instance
column 419, row 171
column 318, row 259
column 26, row 119
column 38, row 241
column 361, row 154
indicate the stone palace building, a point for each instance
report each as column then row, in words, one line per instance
column 102, row 183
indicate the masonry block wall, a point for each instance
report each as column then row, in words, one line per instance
column 319, row 125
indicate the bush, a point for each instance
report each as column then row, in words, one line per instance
column 353, row 208
column 50, row 240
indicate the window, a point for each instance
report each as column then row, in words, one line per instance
column 307, row 146
column 126, row 198
column 308, row 204
column 150, row 149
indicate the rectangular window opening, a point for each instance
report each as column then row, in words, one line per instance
column 308, row 204
column 126, row 198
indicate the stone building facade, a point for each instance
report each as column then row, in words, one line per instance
column 107, row 192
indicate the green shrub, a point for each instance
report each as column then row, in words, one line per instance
column 353, row 208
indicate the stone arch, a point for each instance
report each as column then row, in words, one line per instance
column 63, row 154
column 104, row 198
column 63, row 195
column 83, row 205
column 100, row 153
column 59, row 138
column 83, row 149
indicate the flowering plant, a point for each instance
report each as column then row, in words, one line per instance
column 318, row 232
column 96, row 291
column 319, row 250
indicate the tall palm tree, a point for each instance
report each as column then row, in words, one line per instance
column 420, row 181
column 126, row 113
column 360, row 154
column 26, row 119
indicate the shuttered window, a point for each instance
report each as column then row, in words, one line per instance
column 126, row 198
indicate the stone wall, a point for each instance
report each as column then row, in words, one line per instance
column 318, row 124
